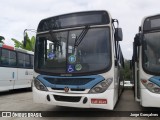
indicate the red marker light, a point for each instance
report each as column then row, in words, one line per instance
column 144, row 81
column 99, row 101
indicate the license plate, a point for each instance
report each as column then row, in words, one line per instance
column 99, row 101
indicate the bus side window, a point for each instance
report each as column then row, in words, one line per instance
column 27, row 61
column 32, row 60
column 12, row 58
column 8, row 58
column 21, row 60
column 5, row 57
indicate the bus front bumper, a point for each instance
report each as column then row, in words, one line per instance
column 149, row 99
column 101, row 100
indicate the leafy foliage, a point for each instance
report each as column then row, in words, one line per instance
column 1, row 39
column 127, row 71
column 30, row 43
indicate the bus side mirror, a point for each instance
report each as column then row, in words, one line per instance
column 25, row 35
column 138, row 39
column 118, row 34
column 116, row 63
column 25, row 38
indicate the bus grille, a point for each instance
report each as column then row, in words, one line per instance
column 72, row 89
column 69, row 81
column 66, row 98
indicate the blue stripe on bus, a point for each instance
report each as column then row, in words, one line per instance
column 155, row 79
column 89, row 85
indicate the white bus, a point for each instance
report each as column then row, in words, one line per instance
column 146, row 62
column 16, row 68
column 78, row 61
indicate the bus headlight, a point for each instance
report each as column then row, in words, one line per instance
column 102, row 86
column 39, row 85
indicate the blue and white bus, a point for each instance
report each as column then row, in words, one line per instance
column 78, row 61
column 146, row 62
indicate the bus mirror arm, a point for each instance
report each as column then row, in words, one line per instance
column 134, row 52
column 131, row 64
column 25, row 38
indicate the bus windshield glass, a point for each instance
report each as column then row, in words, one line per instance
column 151, row 56
column 152, row 23
column 57, row 52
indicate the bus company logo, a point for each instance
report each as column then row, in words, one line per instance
column 66, row 89
column 6, row 114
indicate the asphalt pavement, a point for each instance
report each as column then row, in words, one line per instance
column 21, row 100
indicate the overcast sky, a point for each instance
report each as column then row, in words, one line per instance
column 17, row 15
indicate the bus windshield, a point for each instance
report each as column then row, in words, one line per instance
column 151, row 52
column 57, row 52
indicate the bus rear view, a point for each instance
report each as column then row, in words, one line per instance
column 75, row 61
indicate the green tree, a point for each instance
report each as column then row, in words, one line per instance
column 30, row 43
column 1, row 39
column 127, row 71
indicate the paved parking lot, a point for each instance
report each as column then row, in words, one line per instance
column 21, row 100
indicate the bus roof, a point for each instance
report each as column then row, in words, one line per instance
column 24, row 51
column 151, row 22
column 14, row 48
column 6, row 46
column 75, row 19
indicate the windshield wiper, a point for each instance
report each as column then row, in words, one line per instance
column 79, row 39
